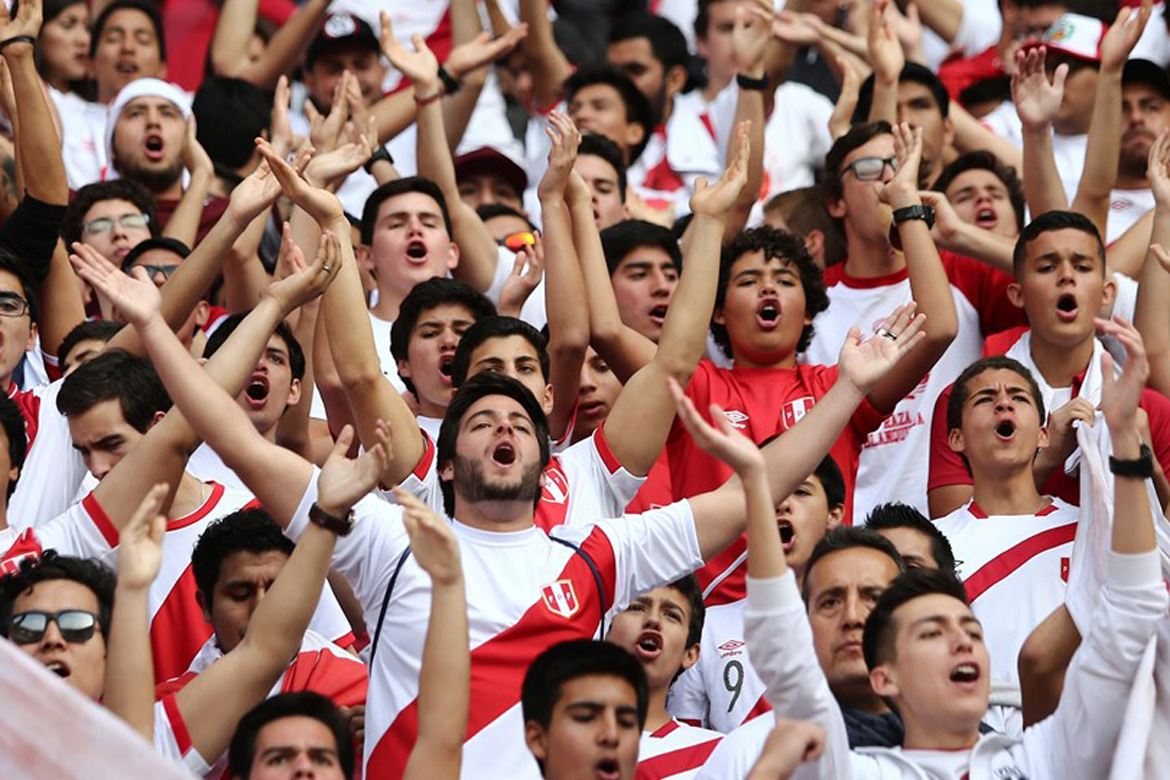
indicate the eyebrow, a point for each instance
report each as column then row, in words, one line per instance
column 942, row 619
column 992, row 391
column 491, row 413
column 403, row 214
column 1055, row 255
column 438, row 323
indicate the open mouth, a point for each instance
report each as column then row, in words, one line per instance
column 658, row 314
column 986, row 218
column 590, row 408
column 504, row 454
column 649, row 646
column 607, row 769
column 787, row 535
column 446, row 367
column 126, row 67
column 965, row 673
column 416, row 250
column 1066, row 307
column 1006, row 429
column 154, row 147
column 59, row 668
column 768, row 314
column 257, row 391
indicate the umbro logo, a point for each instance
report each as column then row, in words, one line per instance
column 730, row 647
column 736, row 418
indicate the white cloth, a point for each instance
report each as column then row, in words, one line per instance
column 1126, row 207
column 53, row 471
column 83, row 146
column 796, row 138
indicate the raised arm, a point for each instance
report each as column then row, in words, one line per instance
column 1154, row 283
column 640, row 420
column 1037, row 100
column 547, row 64
column 954, row 235
column 943, row 16
column 929, row 285
column 237, row 20
column 213, row 702
column 886, row 59
column 751, row 40
column 568, row 321
column 184, row 222
column 444, row 685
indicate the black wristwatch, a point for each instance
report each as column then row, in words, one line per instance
column 923, row 211
column 381, row 154
column 1141, row 467
column 451, row 85
column 747, row 82
column 338, row 525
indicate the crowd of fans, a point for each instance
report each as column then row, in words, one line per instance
column 589, row 388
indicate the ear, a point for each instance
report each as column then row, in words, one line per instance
column 883, row 682
column 158, row 416
column 690, row 656
column 955, row 440
column 814, row 242
column 294, row 392
column 447, row 471
column 537, row 740
column 13, row 475
column 836, row 515
column 364, row 257
column 635, row 133
column 203, row 606
column 162, row 71
column 1042, row 439
column 718, row 317
column 403, row 368
column 836, row 208
column 1109, row 292
column 1015, row 294
column 32, row 338
column 453, row 259
column 676, row 79
column 548, row 400
column 202, row 314
column 948, row 136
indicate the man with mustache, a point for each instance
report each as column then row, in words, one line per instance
column 1145, row 112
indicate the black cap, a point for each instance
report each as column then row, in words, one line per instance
column 1139, row 71
column 341, row 28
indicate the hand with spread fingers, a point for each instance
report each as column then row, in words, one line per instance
column 1121, row 395
column 420, row 66
column 306, row 281
column 320, row 204
column 1036, row 98
column 902, row 190
column 865, row 363
column 344, row 481
column 716, row 200
column 135, row 297
column 140, row 541
column 564, row 138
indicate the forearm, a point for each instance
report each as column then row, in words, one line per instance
column 684, row 333
column 1043, row 660
column 62, row 308
column 285, row 46
column 233, row 30
column 568, row 321
column 292, row 431
column 970, row 136
column 943, row 16
column 1150, row 310
column 1127, row 254
column 394, row 113
column 1133, row 527
column 796, row 453
column 244, row 277
column 766, row 557
column 40, row 146
column 129, row 691
column 546, row 62
column 975, row 242
column 184, row 222
column 1043, row 188
column 1100, row 170
column 884, row 102
column 749, row 108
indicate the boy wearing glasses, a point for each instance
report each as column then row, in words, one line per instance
column 876, row 276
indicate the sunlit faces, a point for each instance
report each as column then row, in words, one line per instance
column 866, row 217
column 912, row 545
column 603, row 182
column 940, row 672
column 362, row 62
column 271, row 389
column 598, row 108
column 763, row 309
column 654, row 628
column 516, row 357
column 430, row 354
column 296, row 747
column 410, row 243
column 1144, row 114
column 81, row 664
column 716, row 46
column 102, row 436
column 980, row 198
column 64, row 46
column 599, row 390
column 244, row 579
column 643, row 284
column 842, row 588
column 1061, row 286
column 109, row 227
column 16, row 333
column 593, row 733
column 484, row 188
column 917, row 106
column 497, row 455
column 1080, row 91
column 148, row 142
column 127, row 49
column 1001, row 425
column 803, row 518
column 635, row 57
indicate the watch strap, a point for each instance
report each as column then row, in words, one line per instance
column 747, row 82
column 923, row 211
column 1141, row 467
column 338, row 525
column 451, row 85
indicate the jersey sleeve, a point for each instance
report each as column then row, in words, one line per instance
column 687, row 700
column 83, row 531
column 423, row 483
column 53, row 471
column 652, row 549
column 171, row 739
column 946, row 465
column 986, row 289
column 599, row 485
column 737, row 752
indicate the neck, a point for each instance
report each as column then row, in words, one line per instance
column 860, row 697
column 497, row 516
column 868, row 259
column 173, row 192
column 269, row 434
column 388, row 303
column 1130, row 179
column 715, row 85
column 920, row 736
column 189, row 496
column 1058, row 363
column 656, row 714
column 428, row 408
column 1010, row 491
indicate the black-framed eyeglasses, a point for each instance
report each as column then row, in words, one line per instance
column 870, row 168
column 12, row 305
column 76, row 626
column 101, row 225
column 151, row 270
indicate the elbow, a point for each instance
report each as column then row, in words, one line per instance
column 358, row 374
column 228, row 66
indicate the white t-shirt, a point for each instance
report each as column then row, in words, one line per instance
column 172, row 740
column 796, row 139
column 739, row 750
column 675, row 751
column 1015, row 568
column 53, row 471
column 206, row 465
column 1126, row 207
column 722, row 691
column 1069, row 150
column 979, row 28
column 83, row 147
column 525, row 592
column 1154, row 45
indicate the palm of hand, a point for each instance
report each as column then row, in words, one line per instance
column 136, row 299
column 864, row 364
column 1036, row 99
column 415, row 65
column 254, row 194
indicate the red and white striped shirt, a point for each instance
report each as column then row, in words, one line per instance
column 675, row 751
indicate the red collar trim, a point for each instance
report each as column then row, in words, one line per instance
column 870, row 282
column 200, row 513
column 978, row 513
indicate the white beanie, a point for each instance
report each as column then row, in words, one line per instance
column 146, row 87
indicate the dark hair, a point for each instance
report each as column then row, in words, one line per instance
column 832, row 481
column 492, row 210
column 703, row 16
column 498, row 327
column 667, row 43
column 230, row 113
column 600, row 146
column 621, row 238
column 845, row 537
column 49, row 566
column 803, row 211
column 638, row 108
column 115, row 375
column 392, row 189
column 899, row 515
column 223, row 331
column 302, row 704
column 475, row 388
column 13, row 424
column 165, row 243
column 246, row 530
column 877, row 643
column 913, row 72
column 981, row 160
column 29, row 287
column 783, row 246
column 689, row 587
column 1054, row 220
column 858, row 136
column 960, row 389
column 118, row 189
column 425, row 296
column 86, row 330
column 567, row 661
column 143, row 6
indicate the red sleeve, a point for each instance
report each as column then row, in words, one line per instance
column 986, row 288
column 1157, row 408
column 946, row 465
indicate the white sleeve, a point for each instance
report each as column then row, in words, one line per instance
column 979, row 27
column 780, row 641
column 83, row 531
column 651, row 549
column 1077, row 740
column 687, row 699
column 598, row 484
column 533, row 311
column 52, row 472
column 423, row 483
column 1154, row 45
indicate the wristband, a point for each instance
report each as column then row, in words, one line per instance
column 426, row 101
column 922, row 211
column 29, row 39
column 747, row 82
column 381, row 154
column 338, row 525
column 1141, row 467
column 451, row 85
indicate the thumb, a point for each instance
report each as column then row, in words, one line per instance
column 341, row 446
column 1059, row 77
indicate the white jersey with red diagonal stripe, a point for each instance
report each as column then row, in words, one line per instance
column 525, row 592
column 1015, row 569
column 171, row 738
column 177, row 628
column 675, row 751
column 721, row 691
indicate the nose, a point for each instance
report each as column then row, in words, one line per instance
column 784, row 509
column 888, row 171
column 855, row 612
column 52, row 638
column 100, row 465
column 607, row 734
column 587, row 384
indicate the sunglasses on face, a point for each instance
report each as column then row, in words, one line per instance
column 106, row 224
column 151, row 270
column 517, row 241
column 871, row 168
column 76, row 626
